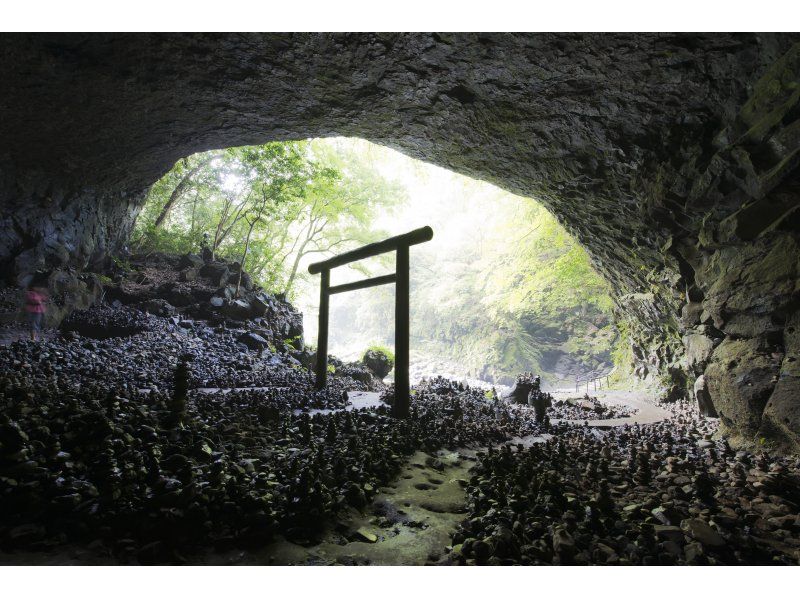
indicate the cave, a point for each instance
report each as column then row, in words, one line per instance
column 672, row 158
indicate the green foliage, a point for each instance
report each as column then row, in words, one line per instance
column 283, row 202
column 384, row 350
column 497, row 291
column 500, row 290
column 523, row 291
column 121, row 264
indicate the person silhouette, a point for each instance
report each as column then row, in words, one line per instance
column 36, row 305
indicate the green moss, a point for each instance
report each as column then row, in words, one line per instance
column 384, row 350
column 774, row 95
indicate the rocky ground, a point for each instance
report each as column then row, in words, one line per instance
column 119, row 438
column 666, row 493
column 590, row 408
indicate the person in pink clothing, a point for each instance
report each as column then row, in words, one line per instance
column 35, row 306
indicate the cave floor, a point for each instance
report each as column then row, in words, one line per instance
column 408, row 522
column 647, row 411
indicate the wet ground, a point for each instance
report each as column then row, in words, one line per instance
column 408, row 523
column 647, row 412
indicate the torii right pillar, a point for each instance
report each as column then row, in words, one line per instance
column 402, row 385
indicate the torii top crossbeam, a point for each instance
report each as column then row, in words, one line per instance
column 400, row 245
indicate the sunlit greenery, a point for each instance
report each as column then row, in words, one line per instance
column 384, row 350
column 278, row 203
column 502, row 287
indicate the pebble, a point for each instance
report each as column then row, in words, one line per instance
column 151, row 477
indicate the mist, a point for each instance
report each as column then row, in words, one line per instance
column 501, row 288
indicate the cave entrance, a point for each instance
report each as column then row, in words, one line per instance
column 400, row 245
column 503, row 289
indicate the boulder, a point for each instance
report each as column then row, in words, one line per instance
column 176, row 293
column 216, row 272
column 305, row 357
column 253, row 341
column 699, row 530
column 238, row 309
column 698, row 350
column 691, row 314
column 740, row 379
column 703, row 398
column 378, row 362
column 259, row 305
column 158, row 307
column 188, row 274
column 200, row 293
column 781, row 418
column 190, row 260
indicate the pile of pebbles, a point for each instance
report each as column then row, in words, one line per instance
column 111, row 439
column 147, row 360
column 145, row 477
column 665, row 493
column 587, row 408
column 107, row 321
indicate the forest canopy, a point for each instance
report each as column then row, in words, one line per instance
column 502, row 288
column 272, row 205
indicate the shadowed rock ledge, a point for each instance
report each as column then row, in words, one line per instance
column 672, row 158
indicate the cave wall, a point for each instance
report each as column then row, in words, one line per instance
column 671, row 157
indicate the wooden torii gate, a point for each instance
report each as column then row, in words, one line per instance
column 400, row 245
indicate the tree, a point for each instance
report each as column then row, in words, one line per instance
column 272, row 206
column 252, row 218
column 183, row 185
column 343, row 200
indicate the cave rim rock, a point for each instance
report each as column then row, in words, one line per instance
column 672, row 158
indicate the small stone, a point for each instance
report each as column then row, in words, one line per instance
column 364, row 535
column 669, row 532
column 702, row 532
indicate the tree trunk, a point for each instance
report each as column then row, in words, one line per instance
column 295, row 266
column 244, row 256
column 179, row 190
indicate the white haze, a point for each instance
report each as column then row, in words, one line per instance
column 434, row 196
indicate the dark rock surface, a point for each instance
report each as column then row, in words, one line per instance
column 671, row 157
column 378, row 362
column 157, row 284
column 660, row 494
